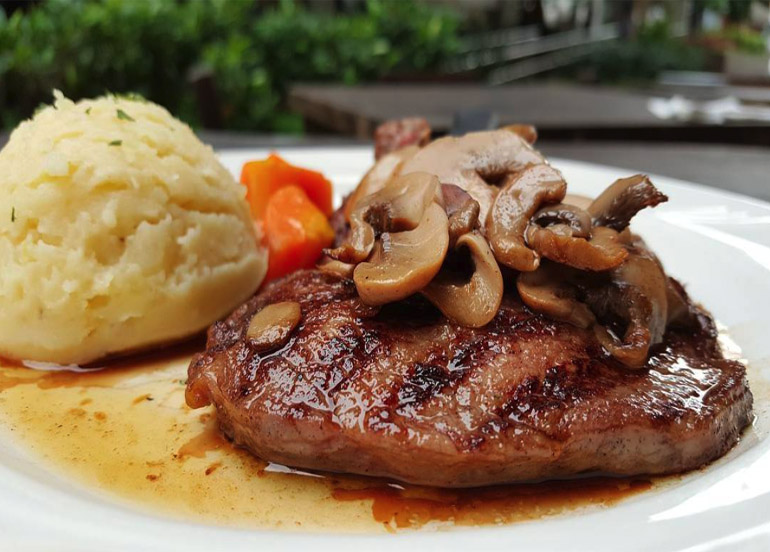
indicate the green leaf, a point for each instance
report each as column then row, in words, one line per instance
column 115, row 143
column 123, row 116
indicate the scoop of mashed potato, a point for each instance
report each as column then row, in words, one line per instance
column 119, row 230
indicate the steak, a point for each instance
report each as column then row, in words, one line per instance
column 403, row 393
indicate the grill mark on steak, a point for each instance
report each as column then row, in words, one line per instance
column 404, row 393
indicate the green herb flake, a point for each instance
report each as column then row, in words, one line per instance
column 13, row 214
column 116, row 143
column 88, row 111
column 149, row 398
column 123, row 116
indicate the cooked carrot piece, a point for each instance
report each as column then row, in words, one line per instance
column 296, row 231
column 263, row 178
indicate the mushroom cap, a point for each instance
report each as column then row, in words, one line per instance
column 617, row 205
column 521, row 196
column 271, row 327
column 475, row 162
column 378, row 176
column 549, row 291
column 403, row 263
column 473, row 302
column 602, row 252
column 397, row 206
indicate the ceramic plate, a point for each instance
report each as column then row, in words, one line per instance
column 715, row 242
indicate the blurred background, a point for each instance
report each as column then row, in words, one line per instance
column 595, row 76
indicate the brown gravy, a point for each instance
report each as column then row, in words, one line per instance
column 126, row 433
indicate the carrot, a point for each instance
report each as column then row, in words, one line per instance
column 265, row 177
column 296, row 231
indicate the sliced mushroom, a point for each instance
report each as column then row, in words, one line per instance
column 378, row 176
column 528, row 132
column 521, row 196
column 574, row 217
column 475, row 162
column 474, row 301
column 396, row 207
column 462, row 210
column 679, row 312
column 638, row 299
column 333, row 266
column 403, row 263
column 548, row 290
column 617, row 205
column 271, row 327
column 578, row 200
column 603, row 251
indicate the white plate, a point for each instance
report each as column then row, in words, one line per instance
column 715, row 242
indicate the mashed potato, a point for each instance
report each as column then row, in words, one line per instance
column 119, row 229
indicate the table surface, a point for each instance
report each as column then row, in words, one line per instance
column 741, row 169
column 559, row 111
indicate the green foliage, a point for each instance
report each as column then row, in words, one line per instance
column 644, row 57
column 87, row 47
column 745, row 39
column 291, row 44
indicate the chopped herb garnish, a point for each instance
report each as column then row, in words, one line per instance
column 124, row 116
column 13, row 214
column 149, row 398
column 88, row 111
column 115, row 143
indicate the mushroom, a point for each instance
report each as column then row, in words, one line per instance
column 617, row 205
column 473, row 301
column 548, row 290
column 574, row 217
column 396, row 207
column 462, row 210
column 528, row 132
column 521, row 196
column 271, row 327
column 476, row 162
column 578, row 200
column 637, row 298
column 378, row 176
column 602, row 251
column 333, row 266
column 402, row 263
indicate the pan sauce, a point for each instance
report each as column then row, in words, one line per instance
column 126, row 433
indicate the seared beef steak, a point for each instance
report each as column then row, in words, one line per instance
column 406, row 394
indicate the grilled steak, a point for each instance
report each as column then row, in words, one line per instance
column 404, row 393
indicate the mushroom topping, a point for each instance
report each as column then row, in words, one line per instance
column 271, row 327
column 636, row 301
column 378, row 176
column 396, row 207
column 402, row 263
column 473, row 301
column 578, row 200
column 521, row 196
column 548, row 290
column 602, row 252
column 617, row 205
column 462, row 210
column 574, row 217
column 475, row 162
column 333, row 266
column 528, row 132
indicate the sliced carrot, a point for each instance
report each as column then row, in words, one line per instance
column 263, row 178
column 296, row 231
